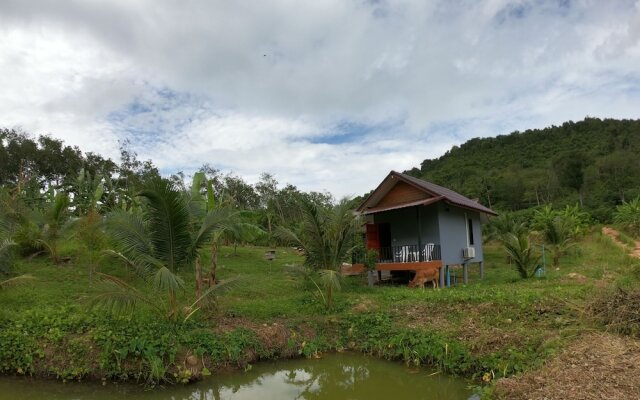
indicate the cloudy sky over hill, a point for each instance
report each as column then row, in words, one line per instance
column 328, row 94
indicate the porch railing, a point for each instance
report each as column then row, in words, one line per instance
column 404, row 254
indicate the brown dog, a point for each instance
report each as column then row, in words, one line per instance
column 426, row 275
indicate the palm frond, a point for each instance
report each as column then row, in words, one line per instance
column 130, row 232
column 222, row 219
column 327, row 234
column 59, row 207
column 523, row 255
column 330, row 279
column 120, row 296
column 218, row 289
column 169, row 222
column 288, row 236
column 6, row 245
column 343, row 225
column 16, row 281
column 140, row 265
column 165, row 279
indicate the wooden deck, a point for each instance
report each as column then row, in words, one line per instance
column 409, row 266
column 356, row 269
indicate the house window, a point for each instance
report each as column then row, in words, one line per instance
column 470, row 231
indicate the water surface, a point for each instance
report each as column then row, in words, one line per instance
column 336, row 376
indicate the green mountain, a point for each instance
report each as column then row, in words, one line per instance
column 593, row 162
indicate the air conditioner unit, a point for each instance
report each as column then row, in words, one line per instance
column 468, row 252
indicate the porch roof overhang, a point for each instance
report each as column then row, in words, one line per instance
column 423, row 202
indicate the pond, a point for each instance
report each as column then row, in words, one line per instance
column 335, row 376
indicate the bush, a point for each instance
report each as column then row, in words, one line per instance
column 28, row 238
column 628, row 215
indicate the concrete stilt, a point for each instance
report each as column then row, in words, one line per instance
column 443, row 271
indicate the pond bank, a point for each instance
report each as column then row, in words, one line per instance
column 97, row 347
column 334, row 376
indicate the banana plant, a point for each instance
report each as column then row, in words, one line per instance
column 203, row 206
column 88, row 192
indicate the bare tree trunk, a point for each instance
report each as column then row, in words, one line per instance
column 214, row 263
column 580, row 197
column 173, row 304
column 198, row 278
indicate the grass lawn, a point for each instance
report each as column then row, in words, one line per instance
column 498, row 326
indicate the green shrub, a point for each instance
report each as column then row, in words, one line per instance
column 628, row 215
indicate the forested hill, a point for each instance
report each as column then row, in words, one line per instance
column 596, row 162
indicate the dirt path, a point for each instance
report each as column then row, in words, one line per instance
column 613, row 234
column 596, row 366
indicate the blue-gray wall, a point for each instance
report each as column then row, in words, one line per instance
column 453, row 234
column 442, row 224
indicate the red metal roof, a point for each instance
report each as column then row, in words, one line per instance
column 438, row 192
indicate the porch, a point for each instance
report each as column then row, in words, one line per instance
column 403, row 258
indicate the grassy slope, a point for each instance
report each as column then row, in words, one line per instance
column 500, row 324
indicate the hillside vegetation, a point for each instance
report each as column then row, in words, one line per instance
column 593, row 162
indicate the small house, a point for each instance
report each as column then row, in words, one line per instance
column 415, row 224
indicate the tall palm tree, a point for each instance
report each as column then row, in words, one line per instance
column 326, row 238
column 157, row 244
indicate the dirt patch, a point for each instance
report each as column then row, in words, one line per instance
column 596, row 366
column 613, row 234
column 423, row 315
column 574, row 276
column 364, row 305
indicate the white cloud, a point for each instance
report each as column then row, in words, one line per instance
column 267, row 86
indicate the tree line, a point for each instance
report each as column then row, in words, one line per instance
column 592, row 162
column 35, row 170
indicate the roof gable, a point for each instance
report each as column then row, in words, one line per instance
column 402, row 193
column 399, row 190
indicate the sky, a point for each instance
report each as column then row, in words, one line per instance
column 328, row 95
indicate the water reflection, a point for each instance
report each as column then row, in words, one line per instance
column 339, row 376
column 336, row 376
